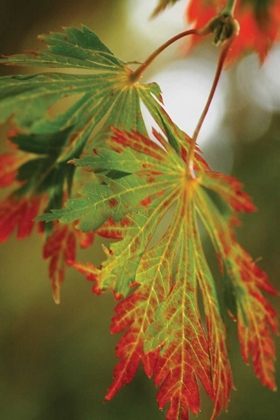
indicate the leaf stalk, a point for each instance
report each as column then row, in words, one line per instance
column 220, row 65
column 137, row 74
column 229, row 8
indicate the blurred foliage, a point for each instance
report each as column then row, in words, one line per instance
column 57, row 361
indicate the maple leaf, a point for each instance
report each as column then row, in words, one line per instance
column 157, row 200
column 259, row 22
column 11, row 161
column 9, row 164
column 107, row 91
column 39, row 180
column 32, row 168
column 60, row 248
column 138, row 185
column 18, row 212
column 256, row 317
column 43, row 172
column 108, row 96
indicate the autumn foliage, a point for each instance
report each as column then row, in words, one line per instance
column 259, row 22
column 94, row 170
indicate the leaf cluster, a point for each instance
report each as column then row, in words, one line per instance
column 157, row 200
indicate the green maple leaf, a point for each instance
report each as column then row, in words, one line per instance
column 107, row 97
column 106, row 89
column 162, row 274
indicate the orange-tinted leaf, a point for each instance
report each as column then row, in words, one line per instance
column 221, row 370
column 178, row 332
column 60, row 247
column 9, row 164
column 162, row 275
column 257, row 319
column 136, row 313
column 85, row 239
column 259, row 23
column 11, row 161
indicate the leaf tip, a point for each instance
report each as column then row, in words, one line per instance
column 56, row 293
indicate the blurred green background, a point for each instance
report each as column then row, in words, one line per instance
column 57, row 361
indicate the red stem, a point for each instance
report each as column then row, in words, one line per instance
column 219, row 69
column 136, row 75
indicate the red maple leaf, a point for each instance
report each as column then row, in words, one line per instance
column 256, row 317
column 160, row 317
column 18, row 212
column 60, row 247
column 9, row 164
column 11, row 161
column 259, row 23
